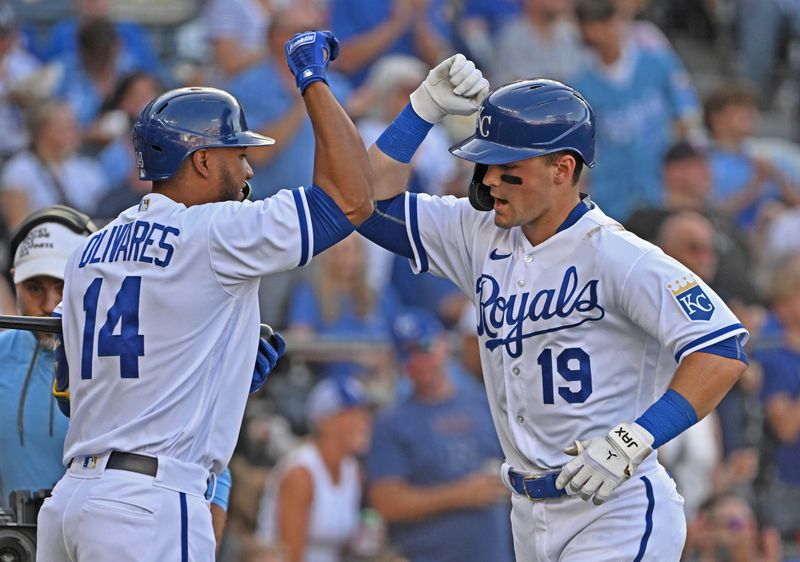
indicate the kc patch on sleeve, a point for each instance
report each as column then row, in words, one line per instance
column 691, row 298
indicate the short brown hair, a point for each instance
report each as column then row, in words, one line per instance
column 738, row 93
column 552, row 157
column 785, row 280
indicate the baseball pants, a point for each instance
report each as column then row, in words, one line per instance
column 643, row 520
column 98, row 515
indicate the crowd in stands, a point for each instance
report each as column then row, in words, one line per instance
column 372, row 441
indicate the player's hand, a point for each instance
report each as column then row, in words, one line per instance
column 308, row 55
column 269, row 351
column 453, row 87
column 603, row 463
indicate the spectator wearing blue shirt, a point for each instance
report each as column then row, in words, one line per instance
column 640, row 97
column 272, row 102
column 90, row 75
column 136, row 52
column 744, row 185
column 32, row 428
column 433, row 466
column 368, row 30
column 339, row 304
column 780, row 394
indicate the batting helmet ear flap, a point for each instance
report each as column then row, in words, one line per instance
column 479, row 193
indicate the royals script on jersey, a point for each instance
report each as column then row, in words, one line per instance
column 576, row 334
column 161, row 323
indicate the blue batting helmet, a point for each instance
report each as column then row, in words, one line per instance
column 180, row 122
column 523, row 120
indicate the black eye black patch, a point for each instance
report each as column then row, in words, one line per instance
column 513, row 180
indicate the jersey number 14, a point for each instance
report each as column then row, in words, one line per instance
column 129, row 344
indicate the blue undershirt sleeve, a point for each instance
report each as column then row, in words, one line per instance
column 387, row 226
column 731, row 348
column 328, row 221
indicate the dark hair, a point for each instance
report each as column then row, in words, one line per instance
column 594, row 10
column 98, row 43
column 552, row 157
column 725, row 96
column 122, row 86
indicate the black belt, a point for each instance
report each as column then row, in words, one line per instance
column 133, row 462
column 535, row 488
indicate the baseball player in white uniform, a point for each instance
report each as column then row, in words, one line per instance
column 596, row 347
column 161, row 322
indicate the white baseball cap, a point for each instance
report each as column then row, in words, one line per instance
column 334, row 395
column 45, row 251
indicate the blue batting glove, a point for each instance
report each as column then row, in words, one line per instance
column 268, row 354
column 308, row 55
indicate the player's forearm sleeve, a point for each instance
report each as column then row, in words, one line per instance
column 328, row 222
column 668, row 417
column 387, row 226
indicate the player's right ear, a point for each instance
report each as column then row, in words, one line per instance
column 201, row 162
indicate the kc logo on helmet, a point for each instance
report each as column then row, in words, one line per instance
column 483, row 125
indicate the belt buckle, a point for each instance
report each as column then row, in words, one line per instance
column 524, row 487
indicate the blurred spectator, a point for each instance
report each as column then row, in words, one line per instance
column 311, row 502
column 135, row 50
column 275, row 108
column 236, row 30
column 781, row 237
column 433, row 465
column 727, row 530
column 390, row 82
column 112, row 131
column 780, row 361
column 92, row 75
column 743, row 184
column 32, row 429
column 639, row 96
column 369, row 30
column 761, row 25
column 51, row 171
column 476, row 25
column 542, row 42
column 17, row 67
column 339, row 304
column 687, row 187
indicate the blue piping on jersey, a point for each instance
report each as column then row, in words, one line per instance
column 576, row 213
column 648, row 518
column 301, row 214
column 414, row 224
column 708, row 337
column 184, row 529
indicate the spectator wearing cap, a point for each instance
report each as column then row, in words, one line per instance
column 32, row 429
column 433, row 468
column 640, row 97
column 687, row 186
column 311, row 504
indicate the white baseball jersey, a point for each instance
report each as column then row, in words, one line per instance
column 161, row 323
column 576, row 334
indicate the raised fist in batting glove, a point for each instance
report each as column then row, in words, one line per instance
column 603, row 463
column 269, row 351
column 308, row 55
column 453, row 87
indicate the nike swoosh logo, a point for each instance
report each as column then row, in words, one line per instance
column 495, row 256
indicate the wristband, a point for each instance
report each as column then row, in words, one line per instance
column 402, row 138
column 668, row 417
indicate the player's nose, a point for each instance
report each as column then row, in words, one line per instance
column 248, row 170
column 492, row 176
